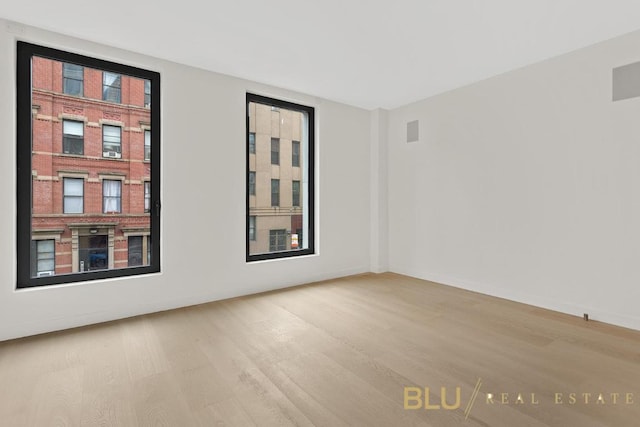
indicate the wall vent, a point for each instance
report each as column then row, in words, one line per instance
column 413, row 131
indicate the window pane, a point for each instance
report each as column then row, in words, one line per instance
column 280, row 198
column 89, row 204
column 111, row 87
column 111, row 196
column 147, row 196
column 147, row 145
column 295, row 153
column 275, row 192
column 73, row 128
column 252, row 142
column 275, row 151
column 73, row 186
column 111, row 141
column 73, row 192
column 72, row 81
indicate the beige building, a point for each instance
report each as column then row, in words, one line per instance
column 276, row 179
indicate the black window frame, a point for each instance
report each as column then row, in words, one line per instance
column 309, row 184
column 24, row 194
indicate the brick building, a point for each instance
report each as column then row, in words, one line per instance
column 91, row 169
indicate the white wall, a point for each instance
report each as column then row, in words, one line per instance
column 526, row 186
column 203, row 188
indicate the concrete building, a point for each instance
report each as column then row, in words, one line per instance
column 91, row 172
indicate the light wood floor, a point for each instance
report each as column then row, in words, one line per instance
column 330, row 354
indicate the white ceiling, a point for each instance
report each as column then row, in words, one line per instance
column 367, row 53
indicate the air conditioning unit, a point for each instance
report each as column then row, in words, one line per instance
column 46, row 273
column 112, row 154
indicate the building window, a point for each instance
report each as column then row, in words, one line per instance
column 296, row 179
column 111, row 87
column 147, row 197
column 275, row 192
column 252, row 183
column 73, row 195
column 252, row 142
column 135, row 251
column 295, row 153
column 112, row 141
column 147, row 93
column 44, row 263
column 73, row 79
column 277, row 240
column 252, row 228
column 111, row 196
column 72, row 137
column 295, row 193
column 147, row 145
column 63, row 199
column 275, row 151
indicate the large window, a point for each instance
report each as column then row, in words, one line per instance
column 111, row 87
column 72, row 137
column 280, row 199
column 73, row 79
column 79, row 217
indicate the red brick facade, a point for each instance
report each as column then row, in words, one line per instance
column 50, row 166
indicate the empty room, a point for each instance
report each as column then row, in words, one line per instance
column 411, row 213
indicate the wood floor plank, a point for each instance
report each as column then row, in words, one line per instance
column 334, row 353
